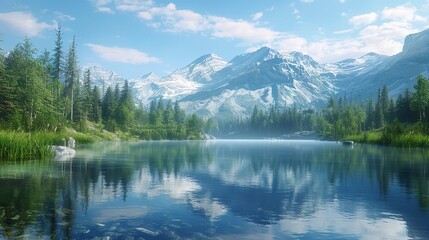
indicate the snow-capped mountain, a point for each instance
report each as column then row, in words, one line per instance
column 263, row 78
column 353, row 66
column 102, row 78
column 397, row 72
column 201, row 70
column 180, row 83
column 144, row 86
column 211, row 86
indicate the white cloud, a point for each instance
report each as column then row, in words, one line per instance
column 343, row 31
column 382, row 32
column 405, row 13
column 105, row 9
column 257, row 16
column 133, row 5
column 290, row 43
column 364, row 19
column 295, row 11
column 174, row 20
column 109, row 6
column 385, row 38
column 238, row 29
column 121, row 55
column 25, row 23
column 63, row 17
column 307, row 1
column 101, row 5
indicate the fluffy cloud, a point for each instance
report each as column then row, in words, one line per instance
column 384, row 38
column 238, row 29
column 257, row 16
column 174, row 20
column 364, row 19
column 109, row 6
column 102, row 5
column 25, row 23
column 121, row 55
column 63, row 17
column 307, row 1
column 382, row 32
column 133, row 5
column 405, row 13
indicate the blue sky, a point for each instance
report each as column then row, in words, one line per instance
column 135, row 37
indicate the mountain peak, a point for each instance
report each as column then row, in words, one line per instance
column 268, row 52
column 416, row 43
column 255, row 58
column 150, row 75
column 207, row 58
column 201, row 69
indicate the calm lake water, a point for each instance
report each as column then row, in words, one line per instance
column 219, row 190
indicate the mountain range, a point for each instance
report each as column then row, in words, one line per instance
column 211, row 86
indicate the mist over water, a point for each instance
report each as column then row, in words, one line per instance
column 227, row 189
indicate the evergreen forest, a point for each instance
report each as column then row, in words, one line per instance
column 44, row 91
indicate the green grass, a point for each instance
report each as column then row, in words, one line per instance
column 19, row 146
column 408, row 139
column 367, row 137
column 411, row 140
column 35, row 145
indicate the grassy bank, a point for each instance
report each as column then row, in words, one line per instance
column 402, row 139
column 29, row 146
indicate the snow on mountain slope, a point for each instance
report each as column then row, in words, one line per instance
column 202, row 69
column 102, row 78
column 397, row 72
column 210, row 86
column 144, row 86
column 180, row 83
column 263, row 78
column 356, row 66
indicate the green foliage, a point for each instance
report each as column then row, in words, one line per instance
column 271, row 123
column 57, row 68
column 33, row 99
column 18, row 146
column 420, row 98
column 71, row 78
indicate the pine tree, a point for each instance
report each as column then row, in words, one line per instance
column 141, row 116
column 391, row 111
column 420, row 98
column 168, row 115
column 370, row 111
column 7, row 93
column 79, row 113
column 152, row 112
column 95, row 113
column 179, row 114
column 86, row 95
column 71, row 77
column 31, row 92
column 385, row 101
column 125, row 109
column 58, row 55
column 378, row 115
column 108, row 107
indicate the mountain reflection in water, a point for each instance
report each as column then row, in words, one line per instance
column 219, row 189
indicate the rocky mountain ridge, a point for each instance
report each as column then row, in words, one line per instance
column 211, row 86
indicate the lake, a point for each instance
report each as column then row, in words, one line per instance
column 224, row 189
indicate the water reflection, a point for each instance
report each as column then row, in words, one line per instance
column 226, row 189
